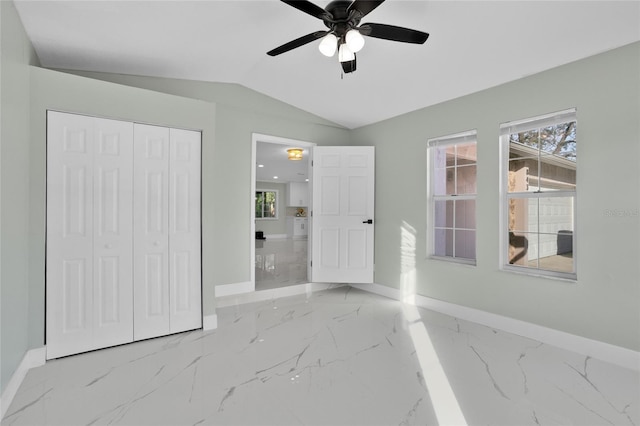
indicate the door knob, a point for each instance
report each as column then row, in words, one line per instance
column 369, row 221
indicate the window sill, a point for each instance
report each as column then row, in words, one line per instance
column 456, row 260
column 558, row 276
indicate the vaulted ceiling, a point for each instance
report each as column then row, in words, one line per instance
column 473, row 45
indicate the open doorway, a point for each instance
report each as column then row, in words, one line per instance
column 280, row 218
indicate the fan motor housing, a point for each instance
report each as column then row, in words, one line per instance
column 342, row 20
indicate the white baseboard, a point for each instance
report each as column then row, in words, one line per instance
column 210, row 322
column 235, row 288
column 617, row 355
column 274, row 293
column 32, row 358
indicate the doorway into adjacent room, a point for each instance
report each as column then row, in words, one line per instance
column 281, row 255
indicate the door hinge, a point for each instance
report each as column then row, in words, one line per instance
column 312, row 263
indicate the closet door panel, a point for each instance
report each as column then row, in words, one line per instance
column 151, row 231
column 184, row 230
column 69, row 273
column 113, row 236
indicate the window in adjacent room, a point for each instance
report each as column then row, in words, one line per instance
column 266, row 204
column 452, row 171
column 539, row 194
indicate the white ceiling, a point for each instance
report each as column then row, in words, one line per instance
column 274, row 159
column 473, row 45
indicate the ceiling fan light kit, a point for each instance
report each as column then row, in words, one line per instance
column 328, row 45
column 345, row 34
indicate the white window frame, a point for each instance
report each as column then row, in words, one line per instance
column 453, row 139
column 277, row 203
column 507, row 129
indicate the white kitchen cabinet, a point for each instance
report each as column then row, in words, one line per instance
column 297, row 227
column 123, row 232
column 297, row 194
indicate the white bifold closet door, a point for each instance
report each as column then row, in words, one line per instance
column 89, row 229
column 166, row 231
column 123, row 232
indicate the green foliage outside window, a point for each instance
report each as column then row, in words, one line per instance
column 266, row 202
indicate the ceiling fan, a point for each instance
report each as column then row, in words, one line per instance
column 342, row 18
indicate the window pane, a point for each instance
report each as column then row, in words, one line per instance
column 443, row 212
column 523, row 174
column 443, row 242
column 519, row 248
column 559, row 140
column 465, row 214
column 259, row 203
column 523, row 215
column 444, row 156
column 556, row 252
column 528, row 139
column 444, row 181
column 556, row 214
column 557, row 174
column 466, row 182
column 465, row 244
column 467, row 154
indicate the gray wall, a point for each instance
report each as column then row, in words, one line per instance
column 29, row 91
column 239, row 113
column 16, row 53
column 53, row 90
column 603, row 304
column 270, row 226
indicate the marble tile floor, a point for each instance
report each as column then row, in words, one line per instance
column 335, row 357
column 280, row 263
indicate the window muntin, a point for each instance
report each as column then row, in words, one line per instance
column 266, row 204
column 452, row 197
column 540, row 192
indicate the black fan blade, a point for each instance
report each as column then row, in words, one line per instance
column 391, row 32
column 349, row 66
column 308, row 7
column 297, row 43
column 364, row 6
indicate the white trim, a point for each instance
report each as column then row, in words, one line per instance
column 456, row 138
column 617, row 355
column 525, row 124
column 235, row 288
column 32, row 358
column 274, row 293
column 209, row 322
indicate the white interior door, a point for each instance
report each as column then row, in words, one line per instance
column 184, row 231
column 151, row 231
column 113, row 232
column 343, row 206
column 88, row 234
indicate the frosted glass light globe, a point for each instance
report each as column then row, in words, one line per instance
column 328, row 45
column 354, row 40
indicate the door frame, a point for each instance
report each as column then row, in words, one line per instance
column 255, row 138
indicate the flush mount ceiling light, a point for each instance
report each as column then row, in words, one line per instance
column 294, row 154
column 345, row 33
